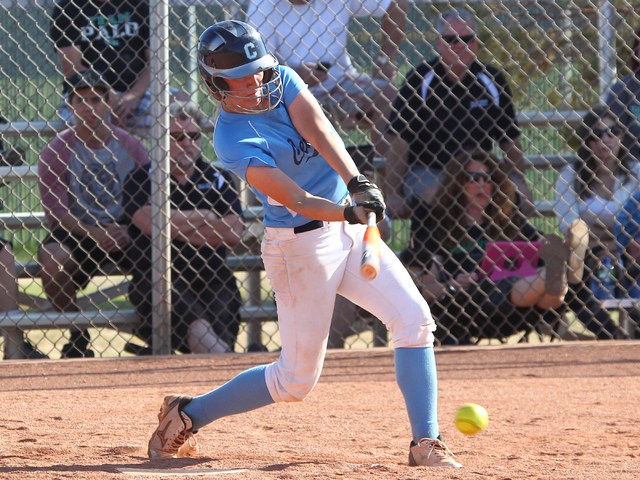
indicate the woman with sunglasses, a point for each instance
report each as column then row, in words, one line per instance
column 601, row 179
column 477, row 204
column 595, row 188
column 599, row 182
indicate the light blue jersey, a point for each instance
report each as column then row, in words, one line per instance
column 270, row 140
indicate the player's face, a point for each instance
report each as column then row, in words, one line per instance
column 605, row 140
column 184, row 144
column 90, row 107
column 457, row 44
column 478, row 188
column 245, row 94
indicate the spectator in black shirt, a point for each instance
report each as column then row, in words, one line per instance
column 450, row 103
column 111, row 37
column 205, row 220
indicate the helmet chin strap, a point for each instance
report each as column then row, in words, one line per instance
column 269, row 99
column 233, row 103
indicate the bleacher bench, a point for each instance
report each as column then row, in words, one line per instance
column 125, row 319
column 41, row 316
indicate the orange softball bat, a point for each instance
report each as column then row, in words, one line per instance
column 370, row 263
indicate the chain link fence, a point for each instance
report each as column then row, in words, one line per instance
column 559, row 59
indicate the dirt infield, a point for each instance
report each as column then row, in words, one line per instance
column 559, row 411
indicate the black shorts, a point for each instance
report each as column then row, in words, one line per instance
column 89, row 256
column 213, row 300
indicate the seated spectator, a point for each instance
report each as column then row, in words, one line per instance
column 623, row 99
column 600, row 181
column 475, row 204
column 311, row 38
column 81, row 173
column 112, row 38
column 9, row 303
column 205, row 221
column 597, row 185
column 447, row 104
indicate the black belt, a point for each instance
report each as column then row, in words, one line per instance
column 307, row 227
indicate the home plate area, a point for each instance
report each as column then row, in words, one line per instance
column 179, row 472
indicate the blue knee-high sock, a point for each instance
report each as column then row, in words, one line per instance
column 247, row 391
column 417, row 378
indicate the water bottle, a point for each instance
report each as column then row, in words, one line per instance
column 604, row 285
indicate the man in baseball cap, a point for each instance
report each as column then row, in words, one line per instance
column 87, row 79
column 81, row 173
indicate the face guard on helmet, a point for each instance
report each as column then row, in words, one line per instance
column 234, row 50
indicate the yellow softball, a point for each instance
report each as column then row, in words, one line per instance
column 471, row 418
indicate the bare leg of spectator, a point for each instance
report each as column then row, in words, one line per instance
column 58, row 284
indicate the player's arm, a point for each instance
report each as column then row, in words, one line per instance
column 312, row 124
column 279, row 187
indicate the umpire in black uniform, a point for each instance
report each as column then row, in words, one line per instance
column 205, row 220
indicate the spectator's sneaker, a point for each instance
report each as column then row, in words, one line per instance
column 136, row 349
column 256, row 347
column 554, row 253
column 78, row 346
column 174, row 437
column 431, row 452
column 73, row 350
column 577, row 241
column 30, row 352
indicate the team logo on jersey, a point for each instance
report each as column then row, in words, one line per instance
column 111, row 29
column 302, row 152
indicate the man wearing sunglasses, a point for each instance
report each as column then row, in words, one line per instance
column 448, row 104
column 205, row 221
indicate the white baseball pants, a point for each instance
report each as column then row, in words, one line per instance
column 306, row 271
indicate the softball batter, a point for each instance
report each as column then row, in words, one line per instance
column 272, row 133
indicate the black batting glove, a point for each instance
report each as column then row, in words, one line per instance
column 355, row 214
column 368, row 195
column 351, row 215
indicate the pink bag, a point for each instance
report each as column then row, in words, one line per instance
column 509, row 259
